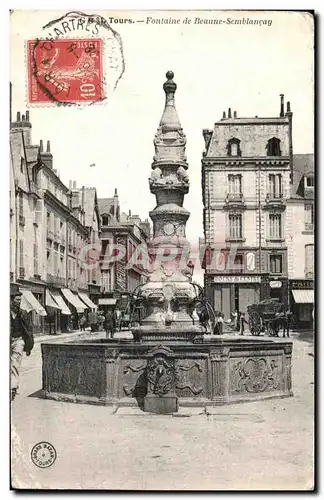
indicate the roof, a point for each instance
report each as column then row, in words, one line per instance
column 256, row 119
column 105, row 205
column 303, row 164
column 32, row 153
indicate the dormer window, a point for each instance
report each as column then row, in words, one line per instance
column 233, row 147
column 273, row 147
column 104, row 220
column 309, row 181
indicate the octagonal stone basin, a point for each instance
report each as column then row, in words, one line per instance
column 219, row 371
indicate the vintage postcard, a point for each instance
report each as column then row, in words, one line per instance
column 162, row 225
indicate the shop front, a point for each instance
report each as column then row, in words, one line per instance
column 302, row 303
column 30, row 302
column 236, row 293
column 58, row 312
column 277, row 289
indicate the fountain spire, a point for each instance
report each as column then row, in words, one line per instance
column 170, row 120
column 169, row 295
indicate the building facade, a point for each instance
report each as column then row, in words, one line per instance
column 300, row 241
column 48, row 230
column 127, row 232
column 246, row 170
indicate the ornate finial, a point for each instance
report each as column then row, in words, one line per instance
column 169, row 85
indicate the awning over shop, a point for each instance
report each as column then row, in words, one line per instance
column 62, row 305
column 30, row 303
column 87, row 300
column 303, row 296
column 107, row 302
column 50, row 301
column 74, row 300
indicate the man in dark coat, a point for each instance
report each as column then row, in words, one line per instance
column 110, row 323
column 21, row 338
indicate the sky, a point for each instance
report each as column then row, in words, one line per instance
column 244, row 67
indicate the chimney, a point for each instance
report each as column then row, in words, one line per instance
column 235, row 115
column 18, row 116
column 282, row 105
column 41, row 146
column 116, row 208
column 224, row 115
column 129, row 213
column 229, row 113
column 82, row 197
column 48, row 147
column 70, row 185
column 74, row 185
column 24, row 126
column 23, row 118
column 27, row 116
column 291, row 157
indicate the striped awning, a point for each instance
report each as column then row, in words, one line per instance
column 303, row 296
column 50, row 301
column 59, row 300
column 30, row 303
column 84, row 297
column 74, row 300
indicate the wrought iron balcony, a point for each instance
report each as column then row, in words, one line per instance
column 49, row 234
column 55, row 280
column 234, row 200
column 309, row 226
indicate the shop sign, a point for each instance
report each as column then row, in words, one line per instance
column 275, row 284
column 237, row 279
column 304, row 284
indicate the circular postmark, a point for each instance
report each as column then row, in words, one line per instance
column 43, row 454
column 78, row 60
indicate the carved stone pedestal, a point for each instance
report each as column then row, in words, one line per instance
column 161, row 379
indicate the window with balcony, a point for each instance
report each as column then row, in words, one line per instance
column 235, row 227
column 309, row 217
column 275, row 227
column 275, row 186
column 309, row 261
column 233, row 147
column 273, row 147
column 275, row 264
column 235, row 185
column 238, row 264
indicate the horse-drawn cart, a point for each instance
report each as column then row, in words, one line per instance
column 266, row 317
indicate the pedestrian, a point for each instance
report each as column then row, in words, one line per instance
column 110, row 323
column 21, row 338
column 83, row 321
column 243, row 322
column 218, row 330
column 286, row 323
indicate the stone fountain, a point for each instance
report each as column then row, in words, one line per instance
column 172, row 362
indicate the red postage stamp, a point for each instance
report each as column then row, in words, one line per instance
column 65, row 71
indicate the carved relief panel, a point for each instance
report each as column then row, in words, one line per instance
column 256, row 374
